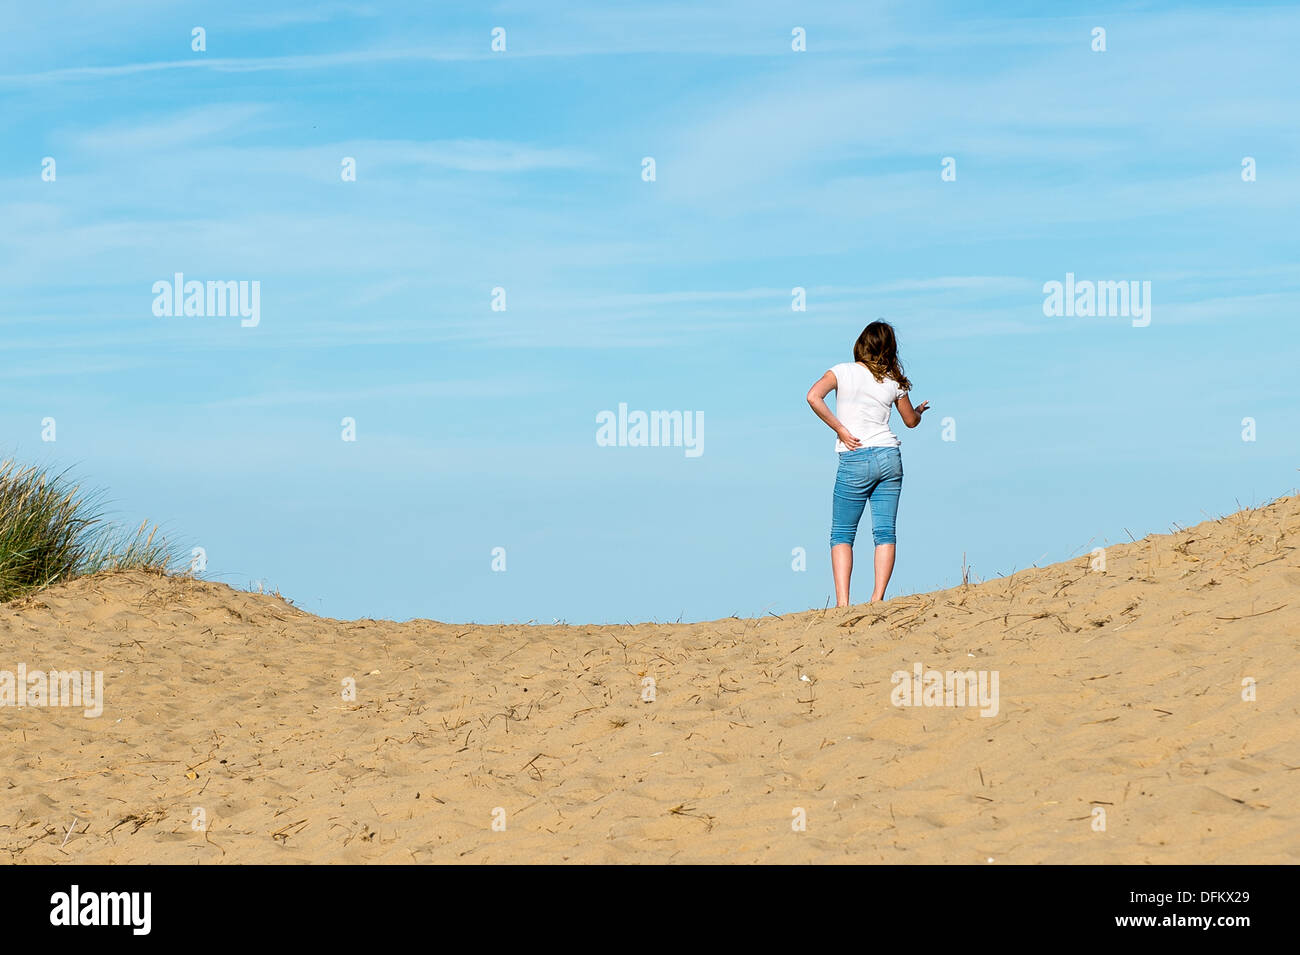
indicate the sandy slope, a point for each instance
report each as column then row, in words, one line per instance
column 1121, row 690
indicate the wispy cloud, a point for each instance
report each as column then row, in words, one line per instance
column 471, row 155
column 175, row 131
column 317, row 13
column 200, row 62
column 476, row 388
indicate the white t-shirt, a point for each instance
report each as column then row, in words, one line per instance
column 863, row 404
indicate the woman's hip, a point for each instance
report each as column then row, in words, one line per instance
column 870, row 465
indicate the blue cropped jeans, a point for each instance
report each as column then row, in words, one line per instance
column 865, row 475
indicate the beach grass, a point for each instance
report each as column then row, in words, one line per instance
column 53, row 530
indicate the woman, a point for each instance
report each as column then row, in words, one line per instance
column 871, row 466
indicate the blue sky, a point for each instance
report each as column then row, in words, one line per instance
column 522, row 170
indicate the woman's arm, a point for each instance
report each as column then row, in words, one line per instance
column 817, row 401
column 911, row 416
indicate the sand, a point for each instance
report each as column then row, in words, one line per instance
column 1120, row 691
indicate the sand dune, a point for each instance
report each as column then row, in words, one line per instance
column 1119, row 690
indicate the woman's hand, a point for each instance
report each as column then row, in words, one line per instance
column 911, row 416
column 850, row 442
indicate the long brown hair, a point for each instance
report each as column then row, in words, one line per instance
column 877, row 348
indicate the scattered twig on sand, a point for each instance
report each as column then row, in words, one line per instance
column 683, row 810
column 207, row 837
column 1245, row 615
column 140, row 820
column 292, row 829
column 1067, row 584
column 530, row 765
column 514, row 651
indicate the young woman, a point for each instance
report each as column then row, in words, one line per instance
column 871, row 466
